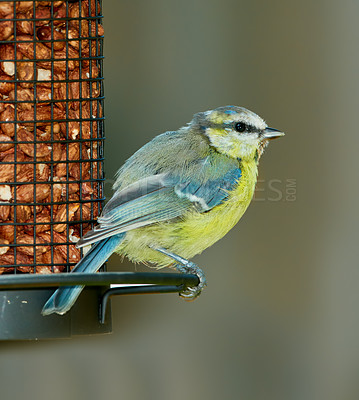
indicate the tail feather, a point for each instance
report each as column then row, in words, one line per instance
column 64, row 297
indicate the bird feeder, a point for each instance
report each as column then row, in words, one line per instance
column 51, row 174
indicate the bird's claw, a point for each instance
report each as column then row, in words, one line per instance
column 187, row 267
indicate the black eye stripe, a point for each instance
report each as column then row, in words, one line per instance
column 232, row 125
column 242, row 127
column 251, row 128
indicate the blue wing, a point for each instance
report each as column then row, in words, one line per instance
column 160, row 198
column 211, row 193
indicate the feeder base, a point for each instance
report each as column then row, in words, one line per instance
column 21, row 319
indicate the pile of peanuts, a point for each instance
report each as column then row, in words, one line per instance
column 50, row 131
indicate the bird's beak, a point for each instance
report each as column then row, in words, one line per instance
column 271, row 133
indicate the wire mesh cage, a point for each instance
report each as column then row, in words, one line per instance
column 51, row 154
column 51, row 131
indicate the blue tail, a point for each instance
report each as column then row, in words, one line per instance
column 64, row 297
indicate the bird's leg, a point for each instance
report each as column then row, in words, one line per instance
column 188, row 267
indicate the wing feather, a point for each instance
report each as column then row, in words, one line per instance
column 159, row 198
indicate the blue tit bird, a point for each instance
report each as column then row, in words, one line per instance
column 176, row 196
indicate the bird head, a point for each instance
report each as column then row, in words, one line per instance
column 235, row 131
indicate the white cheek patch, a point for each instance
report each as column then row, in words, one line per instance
column 233, row 143
column 246, row 147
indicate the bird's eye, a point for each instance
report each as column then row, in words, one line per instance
column 240, row 127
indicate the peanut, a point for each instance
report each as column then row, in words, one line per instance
column 23, row 213
column 6, row 8
column 4, row 213
column 25, row 193
column 6, row 28
column 44, row 33
column 32, row 148
column 65, row 213
column 3, row 248
column 6, row 84
column 5, row 142
column 22, row 26
column 29, row 240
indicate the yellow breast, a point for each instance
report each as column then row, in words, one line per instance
column 196, row 231
column 202, row 230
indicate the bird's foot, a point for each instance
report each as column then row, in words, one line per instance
column 191, row 293
column 188, row 267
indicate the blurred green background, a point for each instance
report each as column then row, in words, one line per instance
column 279, row 319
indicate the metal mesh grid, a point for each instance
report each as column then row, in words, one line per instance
column 51, row 131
